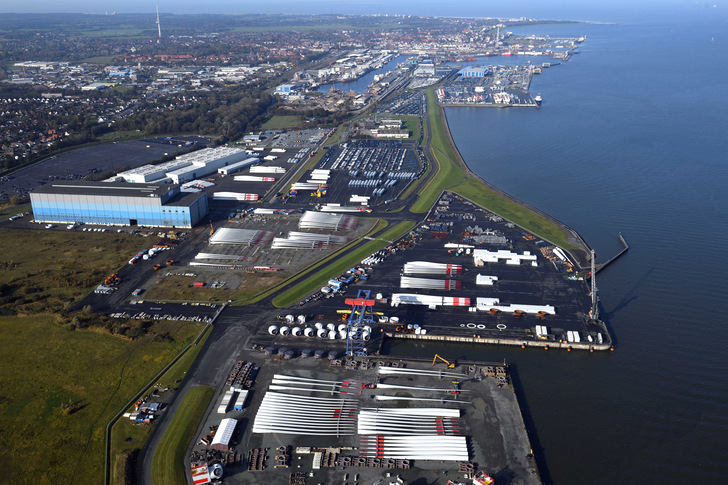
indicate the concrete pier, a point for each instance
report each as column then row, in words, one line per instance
column 606, row 345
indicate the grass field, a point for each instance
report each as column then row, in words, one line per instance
column 128, row 438
column 105, row 60
column 59, row 388
column 281, row 122
column 413, row 124
column 179, row 288
column 122, row 135
column 341, row 264
column 169, row 456
column 9, row 210
column 334, row 139
column 522, row 216
column 46, row 270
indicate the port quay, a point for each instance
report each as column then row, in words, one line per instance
column 353, row 250
column 461, row 274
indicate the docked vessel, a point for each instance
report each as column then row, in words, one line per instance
column 538, row 99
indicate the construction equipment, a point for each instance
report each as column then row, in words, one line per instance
column 112, row 280
column 448, row 363
column 212, row 229
column 320, row 191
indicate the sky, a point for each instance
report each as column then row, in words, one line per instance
column 598, row 10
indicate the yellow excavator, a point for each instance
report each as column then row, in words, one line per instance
column 449, row 365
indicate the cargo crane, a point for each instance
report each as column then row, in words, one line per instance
column 362, row 313
column 448, row 363
column 594, row 312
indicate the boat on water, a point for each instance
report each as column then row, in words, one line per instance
column 538, row 99
column 490, row 54
column 507, row 53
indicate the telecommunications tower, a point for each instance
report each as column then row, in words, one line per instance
column 159, row 27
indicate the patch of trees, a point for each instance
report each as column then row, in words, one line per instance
column 315, row 116
column 131, row 329
column 229, row 113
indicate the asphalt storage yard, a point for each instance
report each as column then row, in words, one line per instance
column 489, row 420
column 90, row 160
column 549, row 283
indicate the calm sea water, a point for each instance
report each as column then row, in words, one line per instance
column 631, row 138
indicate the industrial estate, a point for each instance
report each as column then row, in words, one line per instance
column 304, row 252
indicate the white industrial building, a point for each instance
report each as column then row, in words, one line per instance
column 223, row 435
column 235, row 167
column 205, row 162
column 152, row 173
column 186, row 167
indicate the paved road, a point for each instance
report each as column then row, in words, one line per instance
column 231, row 331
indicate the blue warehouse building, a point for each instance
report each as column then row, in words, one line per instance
column 471, row 71
column 118, row 203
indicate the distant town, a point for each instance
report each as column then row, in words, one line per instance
column 68, row 80
column 208, row 218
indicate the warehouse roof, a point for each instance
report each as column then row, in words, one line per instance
column 224, row 432
column 168, row 194
column 120, row 189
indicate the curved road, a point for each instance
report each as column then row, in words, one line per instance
column 234, row 325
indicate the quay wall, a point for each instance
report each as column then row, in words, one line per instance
column 489, row 105
column 513, row 342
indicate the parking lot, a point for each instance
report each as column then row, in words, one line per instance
column 90, row 161
column 299, row 138
column 377, row 169
column 549, row 283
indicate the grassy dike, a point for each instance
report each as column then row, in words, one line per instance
column 169, row 456
column 341, row 264
column 452, row 174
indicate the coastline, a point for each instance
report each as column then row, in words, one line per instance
column 573, row 237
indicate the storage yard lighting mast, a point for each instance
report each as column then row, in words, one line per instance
column 595, row 300
column 159, row 27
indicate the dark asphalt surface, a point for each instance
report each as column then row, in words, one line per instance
column 237, row 327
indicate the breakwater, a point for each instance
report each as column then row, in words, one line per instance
column 625, row 248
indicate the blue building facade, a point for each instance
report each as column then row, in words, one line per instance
column 118, row 204
column 471, row 71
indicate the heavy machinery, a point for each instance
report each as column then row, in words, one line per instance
column 112, row 280
column 320, row 191
column 212, row 229
column 448, row 363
